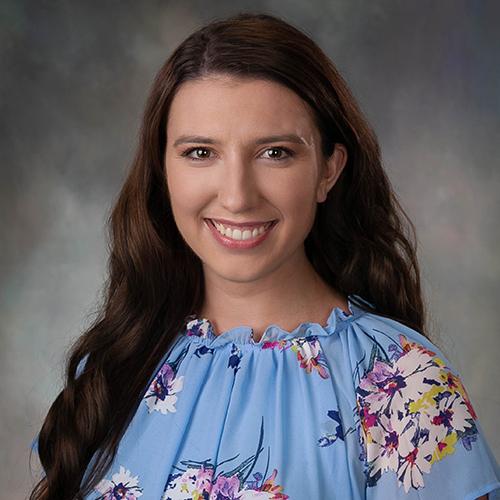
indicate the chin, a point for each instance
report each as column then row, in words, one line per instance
column 236, row 273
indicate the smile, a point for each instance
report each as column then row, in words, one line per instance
column 240, row 238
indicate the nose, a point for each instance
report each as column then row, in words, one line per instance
column 238, row 189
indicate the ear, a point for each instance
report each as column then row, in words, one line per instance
column 332, row 168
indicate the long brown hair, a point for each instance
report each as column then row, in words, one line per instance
column 362, row 242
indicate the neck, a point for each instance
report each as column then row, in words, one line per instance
column 291, row 294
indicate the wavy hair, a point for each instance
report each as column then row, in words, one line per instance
column 362, row 242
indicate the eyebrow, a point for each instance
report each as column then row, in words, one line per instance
column 262, row 140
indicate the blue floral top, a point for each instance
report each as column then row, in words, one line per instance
column 363, row 407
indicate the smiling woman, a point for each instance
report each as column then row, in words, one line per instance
column 263, row 334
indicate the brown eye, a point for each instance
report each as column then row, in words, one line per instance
column 201, row 153
column 279, row 156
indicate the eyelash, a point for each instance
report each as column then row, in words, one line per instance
column 289, row 152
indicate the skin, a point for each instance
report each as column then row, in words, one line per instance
column 236, row 179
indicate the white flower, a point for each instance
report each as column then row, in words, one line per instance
column 401, row 382
column 122, row 485
column 167, row 405
column 161, row 395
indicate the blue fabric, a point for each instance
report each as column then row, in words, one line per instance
column 360, row 408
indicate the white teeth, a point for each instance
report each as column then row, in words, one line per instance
column 237, row 234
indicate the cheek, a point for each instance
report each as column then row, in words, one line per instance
column 186, row 204
column 186, row 192
column 297, row 200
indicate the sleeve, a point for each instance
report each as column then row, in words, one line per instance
column 420, row 436
column 34, row 444
column 81, row 365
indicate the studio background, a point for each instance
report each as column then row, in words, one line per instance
column 74, row 79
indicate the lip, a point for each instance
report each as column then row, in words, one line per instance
column 238, row 244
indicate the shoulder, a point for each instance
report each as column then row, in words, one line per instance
column 413, row 407
column 403, row 370
column 387, row 346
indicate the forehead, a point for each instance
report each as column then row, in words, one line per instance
column 230, row 104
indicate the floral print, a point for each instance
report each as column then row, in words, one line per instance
column 308, row 351
column 334, row 430
column 122, row 485
column 199, row 481
column 198, row 328
column 162, row 392
column 234, row 358
column 310, row 356
column 413, row 412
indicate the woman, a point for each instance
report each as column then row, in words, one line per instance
column 263, row 334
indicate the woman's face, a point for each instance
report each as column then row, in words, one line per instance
column 235, row 170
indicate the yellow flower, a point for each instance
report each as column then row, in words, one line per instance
column 444, row 447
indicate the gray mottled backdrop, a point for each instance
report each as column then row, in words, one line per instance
column 74, row 78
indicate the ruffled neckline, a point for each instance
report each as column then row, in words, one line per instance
column 201, row 330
